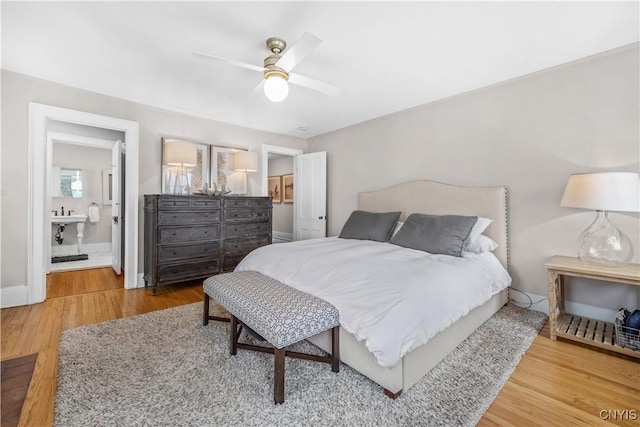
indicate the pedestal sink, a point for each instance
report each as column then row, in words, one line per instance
column 78, row 220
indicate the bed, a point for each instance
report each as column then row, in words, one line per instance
column 397, row 373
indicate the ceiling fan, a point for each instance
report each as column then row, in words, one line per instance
column 277, row 67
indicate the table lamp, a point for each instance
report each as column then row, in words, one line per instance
column 245, row 161
column 181, row 155
column 602, row 243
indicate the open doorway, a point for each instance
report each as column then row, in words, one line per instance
column 278, row 163
column 81, row 190
column 43, row 119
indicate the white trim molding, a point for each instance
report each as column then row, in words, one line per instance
column 39, row 190
column 541, row 303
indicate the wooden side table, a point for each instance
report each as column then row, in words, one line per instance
column 582, row 329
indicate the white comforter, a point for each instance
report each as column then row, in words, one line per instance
column 392, row 298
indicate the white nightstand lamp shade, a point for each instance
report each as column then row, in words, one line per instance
column 602, row 242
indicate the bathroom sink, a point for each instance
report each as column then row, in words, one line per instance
column 67, row 219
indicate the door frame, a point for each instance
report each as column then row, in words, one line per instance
column 275, row 149
column 38, row 215
column 285, row 151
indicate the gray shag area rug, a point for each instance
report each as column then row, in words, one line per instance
column 166, row 369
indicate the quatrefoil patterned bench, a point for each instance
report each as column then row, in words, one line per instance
column 275, row 312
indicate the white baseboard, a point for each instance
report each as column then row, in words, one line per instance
column 541, row 303
column 87, row 248
column 13, row 296
column 140, row 282
column 280, row 236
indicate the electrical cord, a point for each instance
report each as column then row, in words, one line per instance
column 530, row 303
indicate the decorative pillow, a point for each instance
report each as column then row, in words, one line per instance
column 363, row 225
column 436, row 234
column 480, row 244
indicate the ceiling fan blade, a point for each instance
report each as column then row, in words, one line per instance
column 314, row 84
column 298, row 51
column 258, row 90
column 231, row 61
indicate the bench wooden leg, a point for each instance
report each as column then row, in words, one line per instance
column 278, row 376
column 233, row 335
column 205, row 315
column 335, row 349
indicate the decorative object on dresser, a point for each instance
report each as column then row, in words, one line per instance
column 602, row 242
column 185, row 165
column 245, row 162
column 193, row 237
column 581, row 329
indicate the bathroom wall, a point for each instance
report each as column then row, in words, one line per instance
column 282, row 212
column 91, row 161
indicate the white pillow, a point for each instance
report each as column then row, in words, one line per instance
column 397, row 228
column 478, row 228
column 481, row 244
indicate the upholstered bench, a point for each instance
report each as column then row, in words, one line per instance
column 276, row 313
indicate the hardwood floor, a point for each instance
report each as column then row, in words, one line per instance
column 556, row 383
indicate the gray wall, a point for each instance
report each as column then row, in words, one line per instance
column 528, row 134
column 18, row 90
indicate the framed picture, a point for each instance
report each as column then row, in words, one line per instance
column 185, row 166
column 222, row 170
column 287, row 188
column 275, row 188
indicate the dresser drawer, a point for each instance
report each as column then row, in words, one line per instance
column 188, row 271
column 243, row 246
column 245, row 202
column 230, row 262
column 187, row 217
column 188, row 234
column 188, row 202
column 178, row 252
column 240, row 215
column 248, row 229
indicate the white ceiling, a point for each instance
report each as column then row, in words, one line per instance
column 386, row 56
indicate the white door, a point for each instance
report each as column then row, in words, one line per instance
column 116, row 206
column 310, row 196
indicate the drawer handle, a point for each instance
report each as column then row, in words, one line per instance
column 175, row 253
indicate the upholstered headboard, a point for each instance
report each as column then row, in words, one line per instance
column 436, row 198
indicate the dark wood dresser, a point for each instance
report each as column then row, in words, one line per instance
column 194, row 237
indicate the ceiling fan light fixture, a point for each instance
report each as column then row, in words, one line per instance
column 276, row 87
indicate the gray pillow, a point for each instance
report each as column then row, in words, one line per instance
column 363, row 225
column 436, row 234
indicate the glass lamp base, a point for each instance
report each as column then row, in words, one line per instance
column 604, row 244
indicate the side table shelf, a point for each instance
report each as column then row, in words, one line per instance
column 577, row 328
